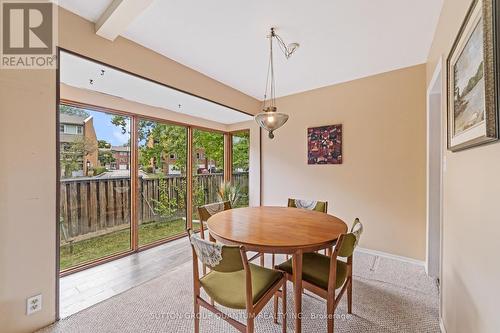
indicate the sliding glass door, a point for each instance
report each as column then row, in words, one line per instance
column 95, row 161
column 161, row 190
column 124, row 181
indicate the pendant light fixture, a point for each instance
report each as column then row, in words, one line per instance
column 270, row 119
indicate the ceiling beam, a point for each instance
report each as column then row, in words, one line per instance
column 118, row 16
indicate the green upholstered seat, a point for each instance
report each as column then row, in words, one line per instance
column 316, row 269
column 228, row 289
column 319, row 206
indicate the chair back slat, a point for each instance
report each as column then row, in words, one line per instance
column 319, row 206
column 206, row 211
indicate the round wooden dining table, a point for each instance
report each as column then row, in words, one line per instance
column 283, row 230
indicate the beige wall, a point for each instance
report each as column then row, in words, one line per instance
column 382, row 178
column 28, row 164
column 27, row 197
column 471, row 180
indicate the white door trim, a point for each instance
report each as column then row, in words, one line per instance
column 433, row 264
column 438, row 82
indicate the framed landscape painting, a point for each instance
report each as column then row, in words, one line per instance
column 472, row 80
column 324, row 145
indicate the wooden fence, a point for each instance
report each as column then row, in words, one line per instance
column 90, row 205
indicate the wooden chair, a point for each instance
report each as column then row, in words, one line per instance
column 319, row 206
column 323, row 275
column 234, row 283
column 206, row 211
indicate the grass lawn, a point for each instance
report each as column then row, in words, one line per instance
column 118, row 241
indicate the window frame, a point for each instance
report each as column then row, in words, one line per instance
column 134, row 173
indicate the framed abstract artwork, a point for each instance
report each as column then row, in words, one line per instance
column 324, row 145
column 472, row 80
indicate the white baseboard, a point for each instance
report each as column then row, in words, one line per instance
column 441, row 325
column 390, row 256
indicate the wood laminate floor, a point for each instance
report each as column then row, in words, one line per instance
column 86, row 288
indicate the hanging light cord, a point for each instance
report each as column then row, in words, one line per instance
column 287, row 50
column 270, row 74
column 270, row 79
column 271, row 60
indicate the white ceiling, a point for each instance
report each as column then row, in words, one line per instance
column 77, row 72
column 341, row 40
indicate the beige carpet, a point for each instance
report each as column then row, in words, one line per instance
column 389, row 296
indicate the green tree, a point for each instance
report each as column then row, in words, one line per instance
column 105, row 157
column 171, row 139
column 72, row 155
column 103, row 144
column 212, row 143
column 241, row 150
column 159, row 141
column 120, row 121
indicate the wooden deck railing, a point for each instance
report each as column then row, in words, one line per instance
column 90, row 205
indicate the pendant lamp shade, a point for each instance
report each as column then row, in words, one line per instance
column 270, row 120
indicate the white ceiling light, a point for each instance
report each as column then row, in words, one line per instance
column 270, row 119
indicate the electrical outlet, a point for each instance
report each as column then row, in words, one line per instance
column 33, row 304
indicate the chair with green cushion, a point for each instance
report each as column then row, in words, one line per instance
column 234, row 283
column 319, row 206
column 323, row 275
column 206, row 211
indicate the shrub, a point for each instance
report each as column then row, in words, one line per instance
column 229, row 192
column 148, row 169
column 99, row 170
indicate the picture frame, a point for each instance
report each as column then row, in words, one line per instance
column 472, row 79
column 324, row 145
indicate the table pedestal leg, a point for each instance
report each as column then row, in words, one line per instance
column 297, row 286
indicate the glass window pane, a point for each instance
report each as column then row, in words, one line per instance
column 94, row 197
column 162, row 181
column 240, row 167
column 208, row 168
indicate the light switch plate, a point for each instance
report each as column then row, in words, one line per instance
column 33, row 304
